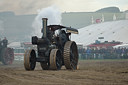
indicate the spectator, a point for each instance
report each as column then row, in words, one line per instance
column 5, row 42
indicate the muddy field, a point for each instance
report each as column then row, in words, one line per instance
column 91, row 72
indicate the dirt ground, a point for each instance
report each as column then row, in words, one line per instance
column 91, row 72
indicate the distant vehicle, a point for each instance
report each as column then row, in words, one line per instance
column 19, row 49
column 6, row 53
column 19, row 53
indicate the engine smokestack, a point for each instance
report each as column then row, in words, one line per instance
column 44, row 29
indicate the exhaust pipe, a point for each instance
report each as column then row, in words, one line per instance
column 44, row 29
column 35, row 39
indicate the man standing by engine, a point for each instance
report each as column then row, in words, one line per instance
column 5, row 42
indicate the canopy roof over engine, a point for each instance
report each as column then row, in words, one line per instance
column 68, row 29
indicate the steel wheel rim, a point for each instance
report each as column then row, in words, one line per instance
column 55, row 59
column 30, row 59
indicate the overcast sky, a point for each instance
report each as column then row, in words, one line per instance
column 31, row 6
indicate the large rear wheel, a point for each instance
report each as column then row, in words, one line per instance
column 70, row 55
column 55, row 59
column 30, row 59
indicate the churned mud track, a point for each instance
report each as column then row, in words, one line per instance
column 91, row 72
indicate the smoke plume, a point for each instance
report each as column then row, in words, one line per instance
column 52, row 13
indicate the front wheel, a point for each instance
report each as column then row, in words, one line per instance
column 30, row 59
column 55, row 59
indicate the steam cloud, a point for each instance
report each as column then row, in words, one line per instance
column 54, row 17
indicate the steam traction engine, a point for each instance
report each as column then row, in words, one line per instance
column 6, row 53
column 53, row 50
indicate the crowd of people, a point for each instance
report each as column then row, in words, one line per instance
column 103, row 53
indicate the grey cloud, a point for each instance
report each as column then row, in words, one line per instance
column 24, row 6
